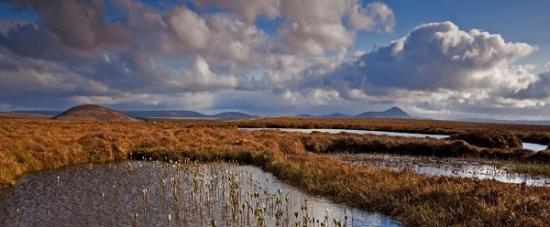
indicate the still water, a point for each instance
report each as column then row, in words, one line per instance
column 456, row 167
column 167, row 194
column 529, row 146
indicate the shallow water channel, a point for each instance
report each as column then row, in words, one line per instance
column 166, row 194
column 529, row 146
column 456, row 167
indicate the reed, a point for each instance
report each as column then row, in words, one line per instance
column 33, row 145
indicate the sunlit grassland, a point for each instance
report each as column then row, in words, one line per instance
column 32, row 145
column 527, row 133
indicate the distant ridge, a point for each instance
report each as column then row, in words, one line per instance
column 30, row 114
column 94, row 113
column 167, row 114
column 337, row 115
column 233, row 115
column 189, row 114
column 497, row 121
column 394, row 112
column 332, row 115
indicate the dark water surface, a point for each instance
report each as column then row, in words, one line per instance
column 165, row 194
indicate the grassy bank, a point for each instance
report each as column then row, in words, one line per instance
column 530, row 168
column 27, row 145
column 352, row 143
column 527, row 133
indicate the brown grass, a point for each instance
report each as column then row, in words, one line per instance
column 351, row 143
column 527, row 133
column 29, row 145
column 489, row 138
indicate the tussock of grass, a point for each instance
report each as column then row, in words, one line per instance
column 530, row 168
column 527, row 133
column 412, row 198
column 490, row 138
column 351, row 143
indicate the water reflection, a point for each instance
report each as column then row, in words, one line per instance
column 163, row 194
column 529, row 146
column 446, row 167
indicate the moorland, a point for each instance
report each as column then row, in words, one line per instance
column 29, row 145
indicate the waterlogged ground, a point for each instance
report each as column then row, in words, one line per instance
column 455, row 167
column 528, row 146
column 168, row 194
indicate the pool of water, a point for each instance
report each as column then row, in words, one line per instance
column 529, row 146
column 168, row 194
column 454, row 167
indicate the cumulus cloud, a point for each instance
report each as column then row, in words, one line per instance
column 22, row 75
column 439, row 56
column 186, row 56
column 321, row 28
column 217, row 37
column 79, row 25
column 437, row 68
column 251, row 9
column 189, row 28
column 375, row 17
column 539, row 90
column 201, row 78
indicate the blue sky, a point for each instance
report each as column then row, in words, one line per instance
column 450, row 59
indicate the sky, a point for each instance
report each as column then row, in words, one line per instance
column 432, row 58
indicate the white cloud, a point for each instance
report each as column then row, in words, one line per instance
column 220, row 38
column 375, row 17
column 189, row 57
column 200, row 78
column 436, row 68
column 320, row 28
column 440, row 56
column 189, row 28
column 250, row 9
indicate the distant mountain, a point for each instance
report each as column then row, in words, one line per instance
column 333, row 115
column 394, row 112
column 233, row 115
column 188, row 114
column 336, row 115
column 39, row 112
column 30, row 114
column 167, row 114
column 497, row 121
column 94, row 113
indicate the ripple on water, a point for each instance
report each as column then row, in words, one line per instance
column 163, row 194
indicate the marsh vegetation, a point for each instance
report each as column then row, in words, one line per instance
column 294, row 158
column 507, row 172
column 170, row 194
